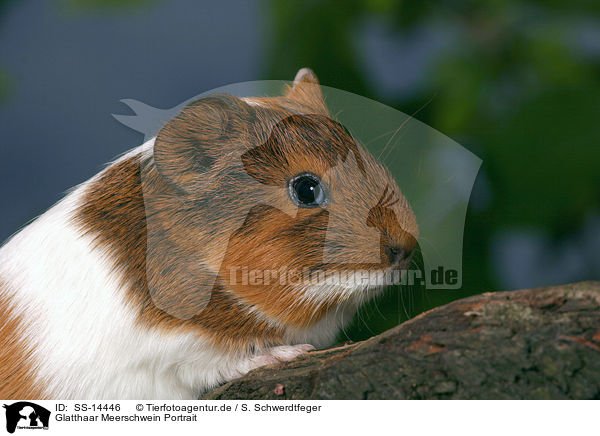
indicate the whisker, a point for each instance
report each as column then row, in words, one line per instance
column 411, row 117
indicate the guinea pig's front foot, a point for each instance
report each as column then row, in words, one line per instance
column 282, row 353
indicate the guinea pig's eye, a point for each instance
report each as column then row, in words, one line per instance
column 307, row 190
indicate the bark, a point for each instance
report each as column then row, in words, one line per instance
column 539, row 343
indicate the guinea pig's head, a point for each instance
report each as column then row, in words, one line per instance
column 280, row 203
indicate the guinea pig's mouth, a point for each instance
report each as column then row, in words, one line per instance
column 357, row 285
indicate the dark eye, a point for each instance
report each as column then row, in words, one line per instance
column 307, row 190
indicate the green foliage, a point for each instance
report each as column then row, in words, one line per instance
column 306, row 35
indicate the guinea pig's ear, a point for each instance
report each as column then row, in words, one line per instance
column 188, row 144
column 307, row 91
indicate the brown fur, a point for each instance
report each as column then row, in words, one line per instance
column 114, row 213
column 17, row 372
column 165, row 220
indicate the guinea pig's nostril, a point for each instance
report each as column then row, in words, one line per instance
column 396, row 253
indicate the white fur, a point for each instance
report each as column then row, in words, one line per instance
column 85, row 337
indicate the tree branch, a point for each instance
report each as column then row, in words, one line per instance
column 535, row 343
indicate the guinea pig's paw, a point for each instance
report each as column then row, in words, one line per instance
column 285, row 353
column 282, row 353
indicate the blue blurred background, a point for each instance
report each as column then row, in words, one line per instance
column 515, row 82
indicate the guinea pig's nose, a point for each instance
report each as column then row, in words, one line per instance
column 396, row 253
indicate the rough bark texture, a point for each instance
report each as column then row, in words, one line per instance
column 537, row 343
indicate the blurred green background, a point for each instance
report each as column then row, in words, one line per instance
column 515, row 82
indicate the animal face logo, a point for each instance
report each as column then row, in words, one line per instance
column 26, row 415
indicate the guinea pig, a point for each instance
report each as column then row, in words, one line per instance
column 176, row 267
